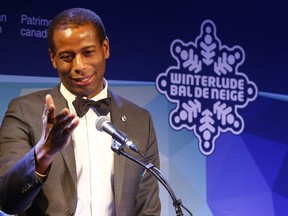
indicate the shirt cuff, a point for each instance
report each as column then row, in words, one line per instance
column 41, row 177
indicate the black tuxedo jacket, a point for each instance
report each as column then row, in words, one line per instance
column 22, row 194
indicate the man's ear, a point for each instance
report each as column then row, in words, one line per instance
column 52, row 58
column 106, row 47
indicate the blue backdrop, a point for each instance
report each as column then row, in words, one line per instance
column 232, row 165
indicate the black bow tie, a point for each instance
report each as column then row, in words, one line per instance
column 82, row 106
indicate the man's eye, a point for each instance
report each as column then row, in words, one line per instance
column 88, row 52
column 67, row 58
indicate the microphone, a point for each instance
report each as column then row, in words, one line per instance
column 103, row 123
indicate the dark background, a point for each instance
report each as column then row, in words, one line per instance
column 141, row 32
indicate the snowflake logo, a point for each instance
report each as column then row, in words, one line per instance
column 207, row 87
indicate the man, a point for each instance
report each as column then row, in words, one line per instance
column 55, row 163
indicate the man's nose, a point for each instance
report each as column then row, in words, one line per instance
column 79, row 64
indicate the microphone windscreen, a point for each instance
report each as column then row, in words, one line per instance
column 100, row 121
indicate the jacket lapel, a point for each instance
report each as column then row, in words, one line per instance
column 67, row 153
column 117, row 114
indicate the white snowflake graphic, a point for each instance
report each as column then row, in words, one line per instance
column 207, row 87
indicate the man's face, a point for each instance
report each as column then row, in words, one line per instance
column 80, row 59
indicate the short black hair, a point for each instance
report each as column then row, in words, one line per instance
column 74, row 17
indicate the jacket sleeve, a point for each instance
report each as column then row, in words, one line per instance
column 18, row 182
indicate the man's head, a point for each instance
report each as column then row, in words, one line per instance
column 78, row 49
column 71, row 18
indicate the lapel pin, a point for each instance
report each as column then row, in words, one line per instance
column 124, row 118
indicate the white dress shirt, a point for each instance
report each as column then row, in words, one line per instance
column 94, row 162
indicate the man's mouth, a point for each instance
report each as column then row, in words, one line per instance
column 83, row 79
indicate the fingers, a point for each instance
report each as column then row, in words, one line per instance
column 57, row 129
column 50, row 112
column 73, row 124
column 66, row 121
column 49, row 100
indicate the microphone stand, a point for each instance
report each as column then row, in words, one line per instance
column 177, row 203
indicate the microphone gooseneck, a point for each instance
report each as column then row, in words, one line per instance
column 103, row 124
